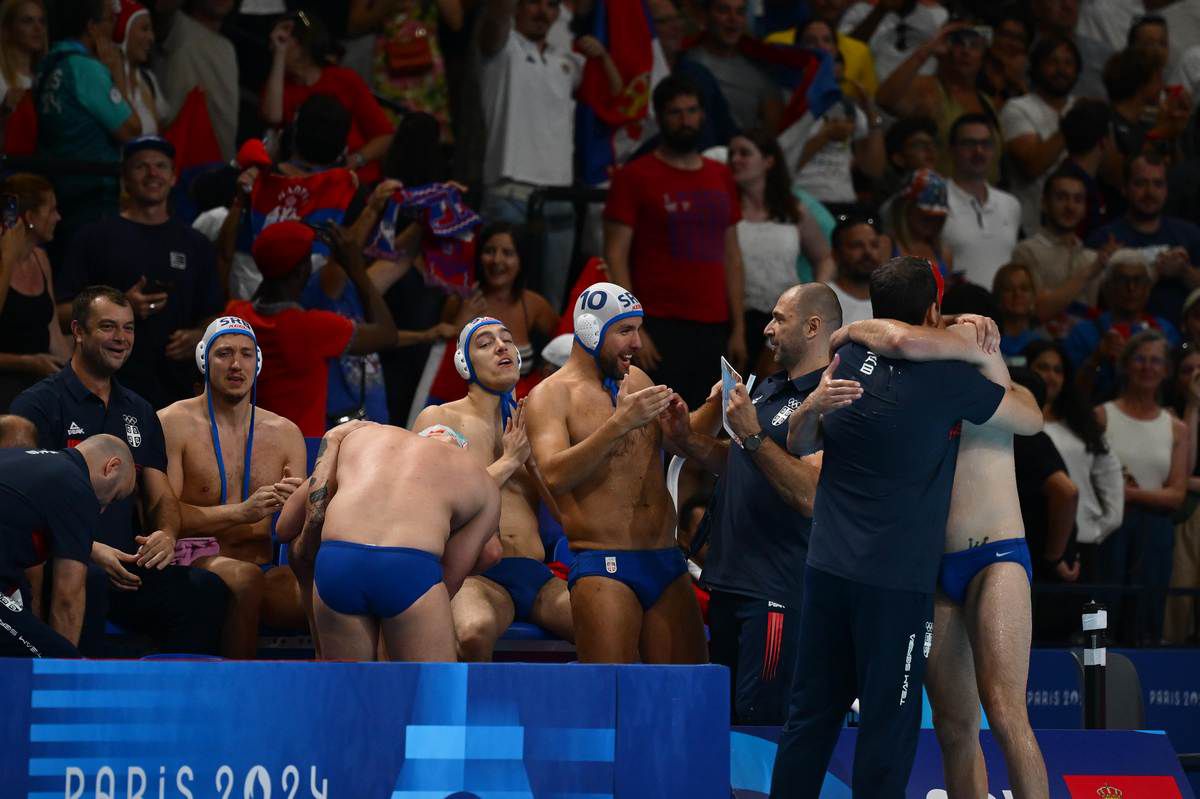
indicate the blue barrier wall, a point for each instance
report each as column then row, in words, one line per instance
column 75, row 729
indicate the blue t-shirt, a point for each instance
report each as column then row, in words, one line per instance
column 48, row 509
column 884, row 494
column 355, row 381
column 1168, row 294
column 758, row 542
column 65, row 412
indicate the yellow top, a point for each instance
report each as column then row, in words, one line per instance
column 860, row 67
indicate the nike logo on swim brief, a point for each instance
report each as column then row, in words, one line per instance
column 1002, row 554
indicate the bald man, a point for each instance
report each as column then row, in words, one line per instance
column 50, row 504
column 761, row 514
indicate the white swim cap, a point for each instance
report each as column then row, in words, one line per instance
column 462, row 355
column 559, row 349
column 438, row 430
column 225, row 325
column 598, row 307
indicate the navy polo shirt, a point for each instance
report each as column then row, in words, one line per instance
column 47, row 509
column 884, row 494
column 65, row 412
column 758, row 543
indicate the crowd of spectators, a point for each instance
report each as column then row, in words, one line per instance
column 1044, row 156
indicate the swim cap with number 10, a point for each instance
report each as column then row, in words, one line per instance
column 599, row 307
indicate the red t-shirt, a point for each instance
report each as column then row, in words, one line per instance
column 679, row 219
column 367, row 119
column 296, row 348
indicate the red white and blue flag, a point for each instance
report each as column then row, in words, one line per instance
column 196, row 150
column 609, row 128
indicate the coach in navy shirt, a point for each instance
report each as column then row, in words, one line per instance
column 889, row 429
column 761, row 512
column 50, row 503
column 132, row 581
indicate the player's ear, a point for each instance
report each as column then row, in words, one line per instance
column 933, row 315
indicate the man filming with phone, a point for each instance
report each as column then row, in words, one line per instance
column 166, row 269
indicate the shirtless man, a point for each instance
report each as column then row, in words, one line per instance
column 232, row 465
column 595, row 431
column 398, row 521
column 982, row 615
column 520, row 586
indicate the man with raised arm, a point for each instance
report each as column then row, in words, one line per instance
column 890, row 432
column 398, row 521
column 982, row 626
column 595, row 432
column 520, row 587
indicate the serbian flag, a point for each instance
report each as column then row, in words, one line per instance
column 609, row 128
column 447, row 240
column 314, row 199
column 196, row 150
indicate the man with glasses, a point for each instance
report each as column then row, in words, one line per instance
column 1094, row 344
column 981, row 228
column 1033, row 143
column 1170, row 245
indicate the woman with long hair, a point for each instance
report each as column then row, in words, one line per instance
column 1153, row 448
column 1015, row 295
column 1091, row 464
column 301, row 67
column 772, row 233
column 502, row 294
column 32, row 343
column 23, row 42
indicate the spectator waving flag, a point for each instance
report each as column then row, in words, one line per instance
column 610, row 127
column 313, row 199
column 447, row 240
column 196, row 150
column 807, row 74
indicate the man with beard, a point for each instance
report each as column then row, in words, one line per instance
column 166, row 269
column 233, row 465
column 856, row 253
column 132, row 581
column 1033, row 142
column 761, row 512
column 520, row 586
column 670, row 236
column 595, row 432
column 1171, row 245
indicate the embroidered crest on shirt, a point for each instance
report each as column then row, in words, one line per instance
column 785, row 412
column 178, row 260
column 132, row 434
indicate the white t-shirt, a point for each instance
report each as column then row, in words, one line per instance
column 244, row 277
column 981, row 237
column 1020, row 116
column 1108, row 20
column 827, row 174
column 1099, row 480
column 769, row 251
column 919, row 27
column 853, row 309
column 529, row 114
column 193, row 55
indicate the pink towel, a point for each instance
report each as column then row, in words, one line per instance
column 188, row 550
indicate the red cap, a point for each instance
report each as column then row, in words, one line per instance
column 938, row 280
column 126, row 11
column 281, row 247
column 253, row 153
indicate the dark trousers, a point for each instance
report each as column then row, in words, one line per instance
column 691, row 356
column 1139, row 552
column 756, row 640
column 860, row 641
column 180, row 608
column 23, row 635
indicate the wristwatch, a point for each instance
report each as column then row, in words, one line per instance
column 752, row 443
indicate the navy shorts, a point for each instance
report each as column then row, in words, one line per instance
column 364, row 580
column 522, row 578
column 647, row 571
column 958, row 569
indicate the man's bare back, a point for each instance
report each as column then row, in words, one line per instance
column 518, row 495
column 278, row 453
column 623, row 503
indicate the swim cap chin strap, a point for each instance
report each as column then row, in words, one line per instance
column 212, row 418
column 508, row 399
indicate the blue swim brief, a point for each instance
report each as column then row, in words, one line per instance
column 522, row 578
column 363, row 580
column 647, row 571
column 959, row 568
